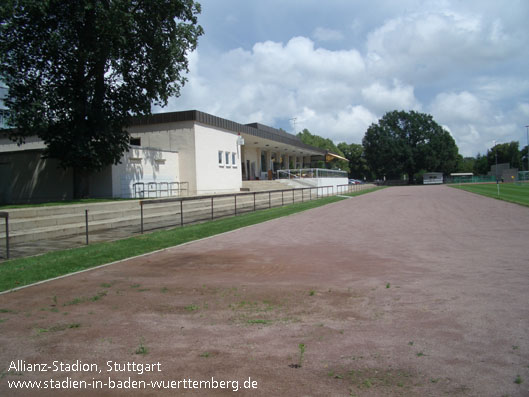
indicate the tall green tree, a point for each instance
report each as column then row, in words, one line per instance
column 358, row 167
column 481, row 166
column 465, row 164
column 324, row 143
column 408, row 142
column 507, row 153
column 78, row 70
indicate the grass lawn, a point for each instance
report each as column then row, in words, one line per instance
column 511, row 192
column 18, row 272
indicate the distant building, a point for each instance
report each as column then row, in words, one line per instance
column 432, row 178
column 504, row 172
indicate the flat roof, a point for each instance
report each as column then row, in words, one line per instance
column 254, row 129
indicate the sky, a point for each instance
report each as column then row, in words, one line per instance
column 335, row 67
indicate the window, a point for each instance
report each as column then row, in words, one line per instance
column 233, row 159
column 135, row 141
column 227, row 158
column 220, row 157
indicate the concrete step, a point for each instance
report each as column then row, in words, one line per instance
column 256, row 186
column 37, row 212
column 155, row 215
column 66, row 215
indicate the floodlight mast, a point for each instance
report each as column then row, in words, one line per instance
column 527, row 154
column 496, row 155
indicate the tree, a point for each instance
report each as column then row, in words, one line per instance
column 406, row 143
column 481, row 166
column 358, row 167
column 78, row 70
column 507, row 153
column 324, row 143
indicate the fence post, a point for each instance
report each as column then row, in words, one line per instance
column 86, row 224
column 7, row 235
column 293, row 199
column 269, row 199
column 235, row 196
column 282, row 199
column 254, row 201
column 141, row 217
column 302, row 190
column 181, row 213
column 212, row 207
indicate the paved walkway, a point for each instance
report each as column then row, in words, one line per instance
column 411, row 291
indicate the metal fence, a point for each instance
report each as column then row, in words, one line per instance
column 311, row 173
column 185, row 210
column 159, row 189
column 472, row 179
column 81, row 225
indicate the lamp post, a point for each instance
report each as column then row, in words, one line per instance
column 527, row 155
column 496, row 155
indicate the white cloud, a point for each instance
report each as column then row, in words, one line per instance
column 461, row 62
column 434, row 45
column 324, row 34
column 278, row 81
column 383, row 99
column 348, row 124
column 474, row 122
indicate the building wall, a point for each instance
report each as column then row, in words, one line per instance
column 26, row 177
column 31, row 143
column 101, row 183
column 213, row 177
column 176, row 137
column 253, row 155
column 143, row 165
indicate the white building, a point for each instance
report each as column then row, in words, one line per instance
column 210, row 154
column 432, row 178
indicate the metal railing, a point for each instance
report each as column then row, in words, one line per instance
column 351, row 188
column 159, row 189
column 242, row 202
column 310, row 173
column 91, row 224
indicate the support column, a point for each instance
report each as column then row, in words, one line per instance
column 258, row 163
column 243, row 164
column 268, row 160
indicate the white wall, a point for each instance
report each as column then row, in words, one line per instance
column 213, row 177
column 143, row 165
column 31, row 143
column 318, row 182
column 178, row 137
column 253, row 155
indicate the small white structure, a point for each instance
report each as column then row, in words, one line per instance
column 432, row 178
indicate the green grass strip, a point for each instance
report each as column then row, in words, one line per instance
column 23, row 271
column 511, row 192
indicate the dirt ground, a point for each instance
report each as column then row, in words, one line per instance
column 408, row 291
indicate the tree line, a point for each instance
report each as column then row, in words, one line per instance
column 405, row 145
